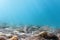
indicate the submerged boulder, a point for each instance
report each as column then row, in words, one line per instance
column 48, row 36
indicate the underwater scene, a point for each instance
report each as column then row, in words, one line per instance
column 29, row 19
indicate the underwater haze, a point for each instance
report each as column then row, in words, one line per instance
column 36, row 12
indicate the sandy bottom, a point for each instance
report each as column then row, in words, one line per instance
column 27, row 33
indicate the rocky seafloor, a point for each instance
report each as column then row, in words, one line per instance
column 29, row 33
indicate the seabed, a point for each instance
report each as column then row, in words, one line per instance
column 29, row 33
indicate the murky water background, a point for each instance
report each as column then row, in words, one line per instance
column 36, row 12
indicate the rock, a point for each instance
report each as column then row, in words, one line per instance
column 45, row 28
column 3, row 38
column 35, row 38
column 32, row 29
column 43, row 33
column 48, row 36
column 2, row 34
column 8, row 35
column 58, row 34
column 21, row 34
column 15, row 32
column 19, row 30
column 14, row 38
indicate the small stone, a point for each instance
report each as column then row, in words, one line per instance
column 14, row 38
column 19, row 30
column 16, row 31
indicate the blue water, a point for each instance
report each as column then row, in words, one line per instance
column 36, row 12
